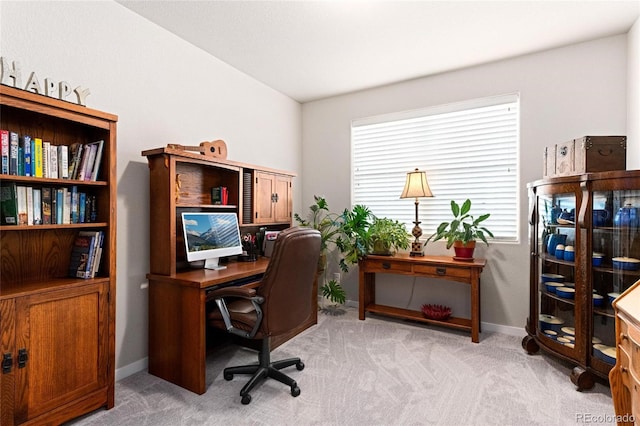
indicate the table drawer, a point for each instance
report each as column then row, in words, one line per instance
column 443, row 271
column 623, row 363
column 386, row 266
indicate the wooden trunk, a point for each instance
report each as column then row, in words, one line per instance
column 588, row 154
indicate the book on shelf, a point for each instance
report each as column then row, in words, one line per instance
column 81, row 254
column 46, row 205
column 53, row 162
column 74, row 204
column 4, row 151
column 82, row 168
column 82, row 207
column 66, row 206
column 29, row 191
column 8, row 204
column 36, row 159
column 13, row 153
column 21, row 195
column 46, row 159
column 37, row 206
column 59, row 205
column 25, row 143
column 94, row 260
column 63, row 162
column 97, row 159
column 20, row 161
column 220, row 195
column 75, row 157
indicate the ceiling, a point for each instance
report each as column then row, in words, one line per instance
column 311, row 50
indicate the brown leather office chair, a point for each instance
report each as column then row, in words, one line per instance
column 279, row 304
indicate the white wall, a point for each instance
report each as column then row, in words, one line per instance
column 164, row 90
column 633, row 100
column 565, row 93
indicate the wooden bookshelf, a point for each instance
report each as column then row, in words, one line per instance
column 56, row 329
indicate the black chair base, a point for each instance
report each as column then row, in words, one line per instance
column 263, row 370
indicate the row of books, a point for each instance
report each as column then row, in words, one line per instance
column 23, row 155
column 86, row 254
column 26, row 205
column 220, row 195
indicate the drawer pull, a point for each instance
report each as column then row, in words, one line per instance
column 623, row 336
column 624, row 370
column 441, row 271
column 386, row 265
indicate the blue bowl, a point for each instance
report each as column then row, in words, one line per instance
column 566, row 292
column 626, row 263
column 569, row 255
column 598, row 300
column 612, row 297
column 546, row 277
column 551, row 286
column 549, row 322
column 605, row 353
column 596, row 260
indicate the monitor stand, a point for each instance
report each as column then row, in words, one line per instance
column 212, row 263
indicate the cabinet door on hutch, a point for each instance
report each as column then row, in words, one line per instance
column 60, row 348
column 272, row 198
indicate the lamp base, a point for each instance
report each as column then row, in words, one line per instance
column 416, row 249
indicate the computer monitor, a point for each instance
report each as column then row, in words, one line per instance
column 210, row 236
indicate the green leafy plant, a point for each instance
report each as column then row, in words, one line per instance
column 353, row 239
column 387, row 236
column 464, row 227
column 329, row 224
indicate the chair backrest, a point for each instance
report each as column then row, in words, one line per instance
column 287, row 285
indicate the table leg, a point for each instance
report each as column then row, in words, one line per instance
column 475, row 307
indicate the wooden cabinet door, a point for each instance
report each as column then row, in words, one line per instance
column 65, row 336
column 273, row 202
column 282, row 205
column 265, row 189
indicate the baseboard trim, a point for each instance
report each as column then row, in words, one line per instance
column 132, row 368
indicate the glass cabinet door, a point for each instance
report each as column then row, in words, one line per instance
column 615, row 265
column 557, row 250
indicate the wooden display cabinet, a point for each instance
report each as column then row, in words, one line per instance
column 57, row 334
column 591, row 213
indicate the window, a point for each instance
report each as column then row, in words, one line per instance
column 467, row 149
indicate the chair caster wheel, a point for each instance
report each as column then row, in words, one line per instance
column 295, row 390
column 247, row 399
column 228, row 377
column 300, row 366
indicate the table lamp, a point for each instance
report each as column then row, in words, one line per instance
column 415, row 187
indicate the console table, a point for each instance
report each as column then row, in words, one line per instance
column 442, row 267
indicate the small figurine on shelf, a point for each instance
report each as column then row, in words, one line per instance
column 249, row 248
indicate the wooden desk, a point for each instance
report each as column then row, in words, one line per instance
column 442, row 267
column 177, row 321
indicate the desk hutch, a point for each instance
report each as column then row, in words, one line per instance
column 181, row 181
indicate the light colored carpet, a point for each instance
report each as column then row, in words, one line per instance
column 374, row 372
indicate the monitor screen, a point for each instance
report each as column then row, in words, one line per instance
column 210, row 236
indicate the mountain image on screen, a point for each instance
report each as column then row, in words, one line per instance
column 202, row 235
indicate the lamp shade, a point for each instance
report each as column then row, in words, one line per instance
column 416, row 185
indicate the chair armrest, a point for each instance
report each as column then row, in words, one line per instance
column 237, row 292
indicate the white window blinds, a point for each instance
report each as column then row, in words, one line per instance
column 467, row 149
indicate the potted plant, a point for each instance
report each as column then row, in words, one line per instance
column 329, row 224
column 463, row 231
column 386, row 236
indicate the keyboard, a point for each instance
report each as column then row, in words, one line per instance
column 236, row 283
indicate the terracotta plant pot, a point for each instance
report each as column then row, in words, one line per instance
column 464, row 250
